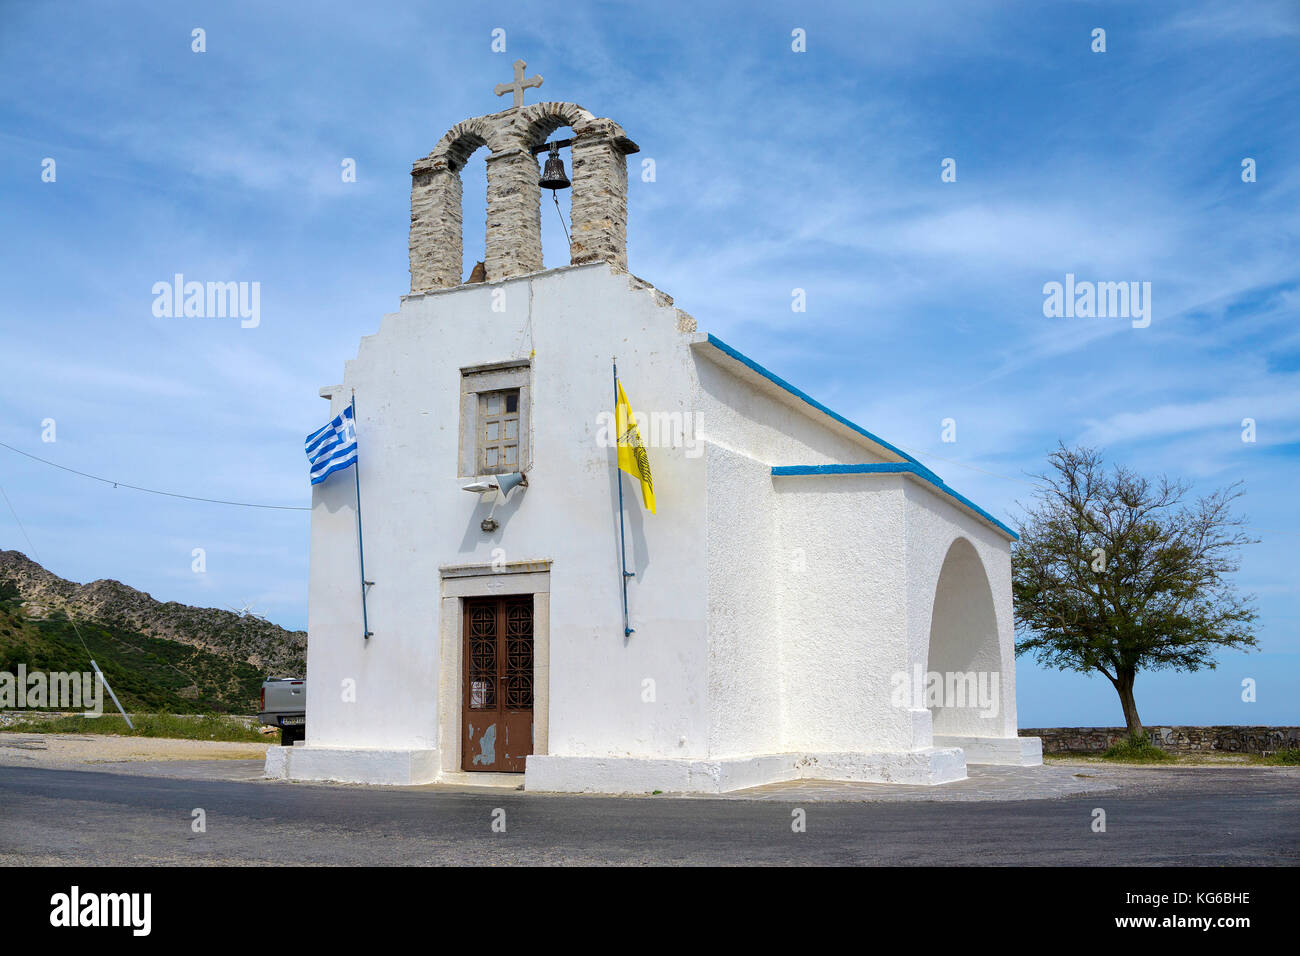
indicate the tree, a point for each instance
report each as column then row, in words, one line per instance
column 1115, row 573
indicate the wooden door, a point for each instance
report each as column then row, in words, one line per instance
column 497, row 708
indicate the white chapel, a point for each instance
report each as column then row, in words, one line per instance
column 806, row 601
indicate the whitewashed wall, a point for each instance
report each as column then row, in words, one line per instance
column 769, row 569
column 845, row 616
column 745, row 634
column 417, row 518
column 770, row 613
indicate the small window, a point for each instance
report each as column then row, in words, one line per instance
column 494, row 419
column 498, row 426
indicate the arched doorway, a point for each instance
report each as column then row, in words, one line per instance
column 963, row 683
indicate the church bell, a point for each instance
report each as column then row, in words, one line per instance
column 553, row 175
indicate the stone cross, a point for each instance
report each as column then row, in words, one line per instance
column 519, row 85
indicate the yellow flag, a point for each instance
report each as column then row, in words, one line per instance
column 632, row 456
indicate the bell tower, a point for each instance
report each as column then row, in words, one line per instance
column 513, row 243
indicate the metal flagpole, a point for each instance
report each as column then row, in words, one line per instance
column 618, row 476
column 361, row 549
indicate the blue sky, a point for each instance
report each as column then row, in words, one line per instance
column 775, row 170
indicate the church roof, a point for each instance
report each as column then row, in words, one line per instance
column 895, row 468
column 906, row 464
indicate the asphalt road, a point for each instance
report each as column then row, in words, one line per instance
column 77, row 817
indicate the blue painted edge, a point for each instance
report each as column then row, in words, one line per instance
column 910, row 465
column 745, row 360
column 891, row 468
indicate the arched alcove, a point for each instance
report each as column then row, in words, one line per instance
column 963, row 649
column 556, row 227
column 474, row 211
column 534, row 126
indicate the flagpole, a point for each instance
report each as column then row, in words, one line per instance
column 361, row 549
column 618, row 476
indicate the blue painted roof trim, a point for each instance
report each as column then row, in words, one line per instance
column 909, row 465
column 891, row 468
column 776, row 380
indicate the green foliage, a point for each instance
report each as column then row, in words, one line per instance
column 173, row 726
column 1116, row 573
column 1285, row 758
column 146, row 673
column 1136, row 749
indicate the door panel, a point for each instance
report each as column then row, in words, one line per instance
column 497, row 707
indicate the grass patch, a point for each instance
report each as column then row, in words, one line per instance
column 1137, row 749
column 173, row 726
column 1284, row 758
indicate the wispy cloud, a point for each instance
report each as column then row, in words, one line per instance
column 775, row 171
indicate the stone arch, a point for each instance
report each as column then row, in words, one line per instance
column 536, row 122
column 460, row 142
column 513, row 242
column 437, row 240
column 963, row 642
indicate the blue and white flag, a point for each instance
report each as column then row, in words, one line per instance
column 333, row 447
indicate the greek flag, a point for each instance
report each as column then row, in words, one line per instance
column 333, row 447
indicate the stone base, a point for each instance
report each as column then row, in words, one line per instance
column 346, row 765
column 1004, row 751
column 646, row 775
column 555, row 774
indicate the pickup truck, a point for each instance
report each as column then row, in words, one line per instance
column 284, row 705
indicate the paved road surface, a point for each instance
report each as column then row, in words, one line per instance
column 1188, row 816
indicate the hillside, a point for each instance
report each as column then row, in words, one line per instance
column 157, row 656
column 275, row 650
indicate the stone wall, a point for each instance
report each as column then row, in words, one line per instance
column 1181, row 740
column 513, row 240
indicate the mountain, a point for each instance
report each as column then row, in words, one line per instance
column 168, row 655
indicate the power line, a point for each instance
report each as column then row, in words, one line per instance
column 248, row 504
column 151, row 491
column 31, row 549
column 73, row 621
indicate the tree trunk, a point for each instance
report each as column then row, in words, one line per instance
column 1124, row 687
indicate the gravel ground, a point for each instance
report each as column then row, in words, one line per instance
column 243, row 762
column 69, row 751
